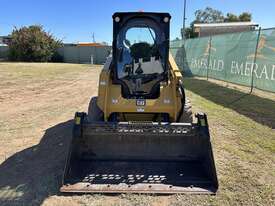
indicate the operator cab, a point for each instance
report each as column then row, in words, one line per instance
column 140, row 50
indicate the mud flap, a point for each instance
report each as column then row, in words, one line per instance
column 135, row 157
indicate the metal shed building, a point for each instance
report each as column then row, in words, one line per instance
column 223, row 28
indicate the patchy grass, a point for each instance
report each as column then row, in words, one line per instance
column 37, row 102
column 244, row 142
column 43, row 70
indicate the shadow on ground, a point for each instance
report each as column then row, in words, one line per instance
column 259, row 109
column 31, row 175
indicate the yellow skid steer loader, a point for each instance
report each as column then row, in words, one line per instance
column 139, row 135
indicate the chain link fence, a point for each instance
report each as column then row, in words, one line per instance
column 246, row 58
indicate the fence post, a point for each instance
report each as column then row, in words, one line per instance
column 209, row 53
column 254, row 61
column 182, row 46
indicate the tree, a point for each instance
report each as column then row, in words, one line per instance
column 231, row 18
column 209, row 15
column 189, row 32
column 33, row 44
column 245, row 16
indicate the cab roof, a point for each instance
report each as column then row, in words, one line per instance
column 141, row 14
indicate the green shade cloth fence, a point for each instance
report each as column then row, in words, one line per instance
column 246, row 58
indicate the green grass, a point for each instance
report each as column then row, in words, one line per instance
column 253, row 116
column 244, row 141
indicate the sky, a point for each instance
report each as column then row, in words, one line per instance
column 76, row 21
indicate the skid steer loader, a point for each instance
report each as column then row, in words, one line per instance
column 138, row 135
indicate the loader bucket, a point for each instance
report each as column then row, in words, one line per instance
column 131, row 157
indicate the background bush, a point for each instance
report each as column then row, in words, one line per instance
column 33, row 44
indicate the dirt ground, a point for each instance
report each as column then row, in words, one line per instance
column 37, row 104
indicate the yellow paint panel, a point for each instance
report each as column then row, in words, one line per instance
column 110, row 99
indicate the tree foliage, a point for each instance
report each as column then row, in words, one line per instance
column 231, row 18
column 245, row 16
column 189, row 32
column 208, row 15
column 33, row 44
